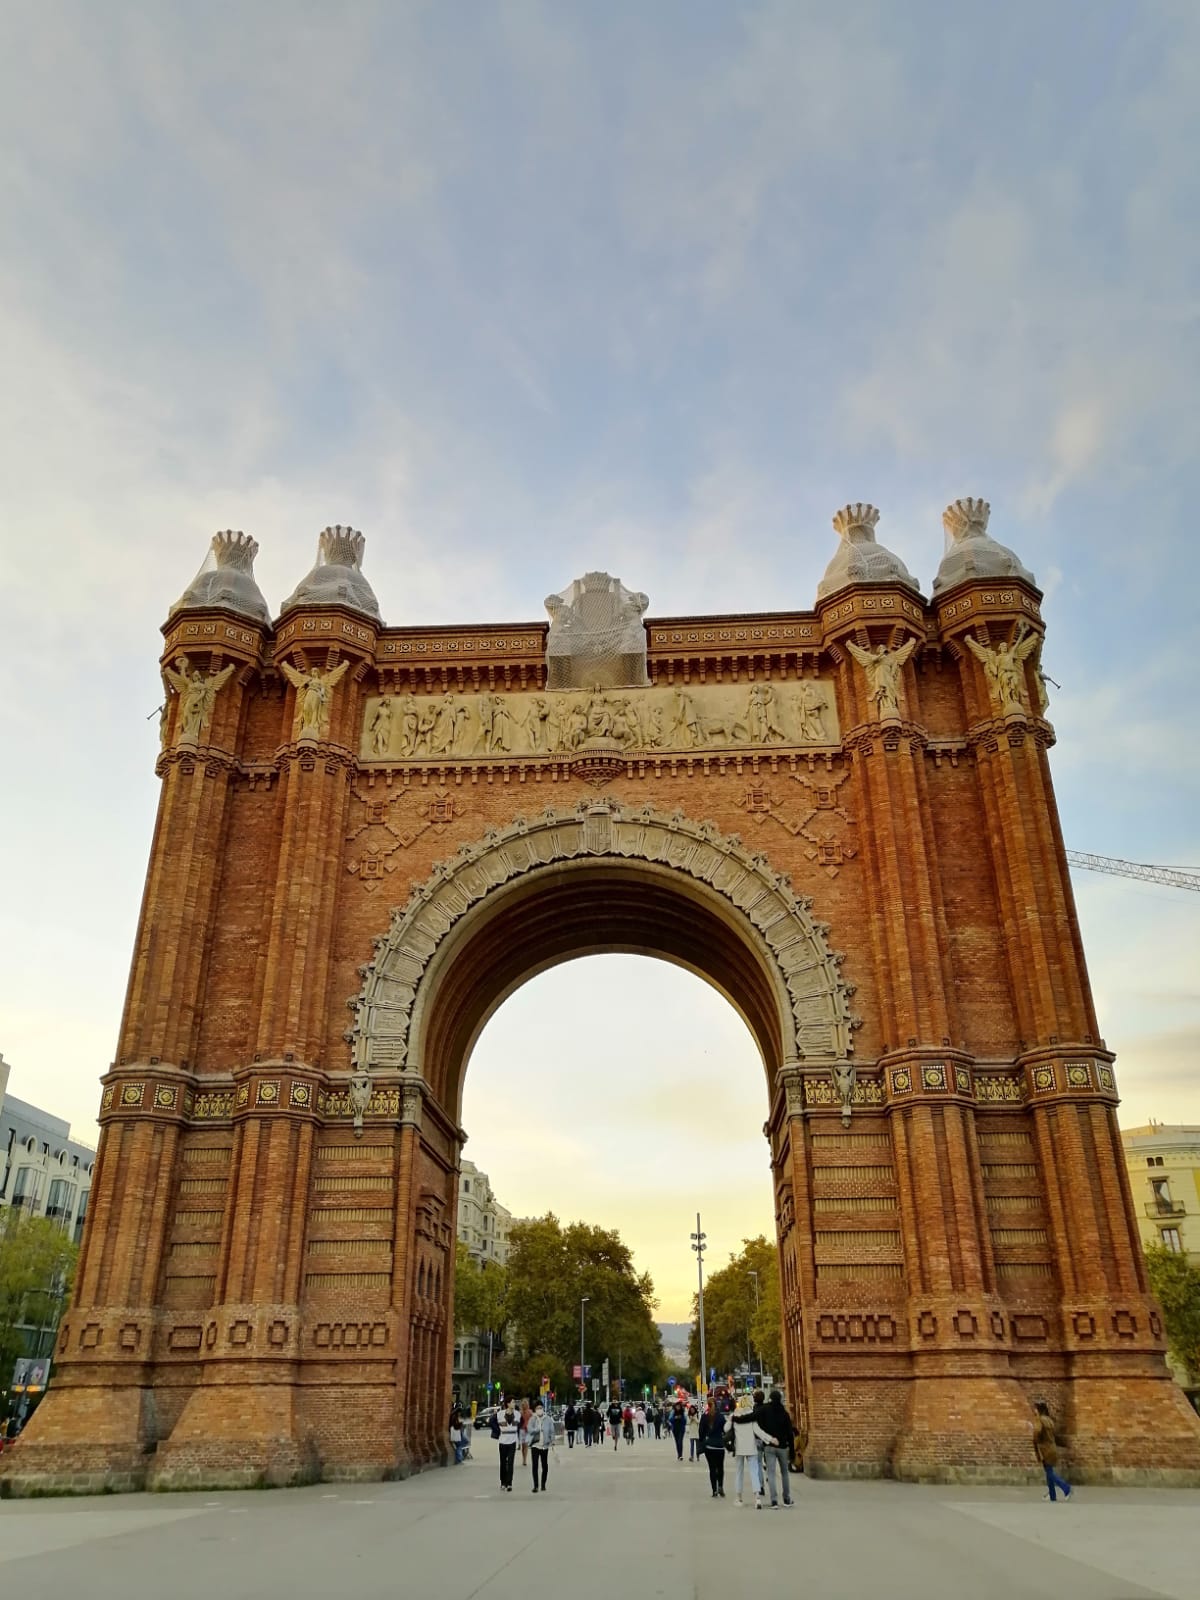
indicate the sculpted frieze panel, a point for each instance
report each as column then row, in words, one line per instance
column 706, row 717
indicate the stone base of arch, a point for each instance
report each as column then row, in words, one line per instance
column 237, row 1435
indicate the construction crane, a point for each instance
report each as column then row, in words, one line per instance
column 1176, row 877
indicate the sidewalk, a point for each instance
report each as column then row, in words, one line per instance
column 634, row 1522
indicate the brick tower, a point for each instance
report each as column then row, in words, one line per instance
column 368, row 836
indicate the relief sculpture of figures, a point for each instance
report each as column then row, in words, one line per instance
column 710, row 716
column 883, row 671
column 197, row 696
column 314, row 695
column 1004, row 669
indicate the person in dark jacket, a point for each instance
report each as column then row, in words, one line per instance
column 772, row 1417
column 713, row 1425
column 570, row 1423
column 678, row 1428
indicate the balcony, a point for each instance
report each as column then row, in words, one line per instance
column 1165, row 1208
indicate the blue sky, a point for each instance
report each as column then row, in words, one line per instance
column 525, row 289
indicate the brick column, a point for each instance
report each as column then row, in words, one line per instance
column 254, row 1332
column 97, row 1423
column 952, row 1301
column 1122, row 1411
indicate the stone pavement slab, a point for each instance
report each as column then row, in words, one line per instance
column 628, row 1524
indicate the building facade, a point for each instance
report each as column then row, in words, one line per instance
column 483, row 1225
column 840, row 813
column 43, row 1171
column 1163, row 1161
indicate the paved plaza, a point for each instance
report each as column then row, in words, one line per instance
column 628, row 1524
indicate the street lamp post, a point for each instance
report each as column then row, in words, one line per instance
column 698, row 1239
column 582, row 1303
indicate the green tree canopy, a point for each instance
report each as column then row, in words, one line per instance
column 551, row 1267
column 736, row 1321
column 37, row 1264
column 1176, row 1286
column 480, row 1295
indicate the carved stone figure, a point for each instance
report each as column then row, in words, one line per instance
column 409, row 718
column 883, row 671
column 686, row 725
column 314, row 695
column 197, row 696
column 810, row 711
column 1003, row 667
column 762, row 716
column 381, row 727
column 360, row 1099
column 843, row 1075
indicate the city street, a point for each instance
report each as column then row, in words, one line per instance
column 632, row 1523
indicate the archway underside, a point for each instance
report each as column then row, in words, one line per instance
column 607, row 907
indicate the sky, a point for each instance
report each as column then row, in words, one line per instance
column 525, row 289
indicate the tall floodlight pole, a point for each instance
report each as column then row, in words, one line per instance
column 583, row 1302
column 698, row 1246
column 754, row 1275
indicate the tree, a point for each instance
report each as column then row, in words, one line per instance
column 1175, row 1284
column 737, row 1321
column 551, row 1268
column 480, row 1295
column 37, row 1265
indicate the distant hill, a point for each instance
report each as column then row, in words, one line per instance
column 675, row 1341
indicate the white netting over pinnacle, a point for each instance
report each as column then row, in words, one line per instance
column 597, row 635
column 226, row 579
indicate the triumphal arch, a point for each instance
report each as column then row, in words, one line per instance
column 841, row 815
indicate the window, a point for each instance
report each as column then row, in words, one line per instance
column 467, row 1185
column 26, row 1187
column 61, row 1201
column 1170, row 1237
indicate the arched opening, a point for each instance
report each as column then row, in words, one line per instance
column 626, row 1094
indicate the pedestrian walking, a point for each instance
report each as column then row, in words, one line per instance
column 715, row 1429
column 614, row 1424
column 678, row 1428
column 1045, row 1447
column 570, row 1424
column 693, row 1433
column 773, row 1418
column 639, row 1417
column 526, row 1413
column 658, row 1422
column 627, row 1424
column 458, row 1435
column 541, row 1442
column 747, row 1435
column 508, row 1430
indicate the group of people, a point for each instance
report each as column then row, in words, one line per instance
column 529, row 1429
column 757, row 1432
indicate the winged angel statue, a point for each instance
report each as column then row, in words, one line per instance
column 197, row 696
column 1003, row 667
column 314, row 695
column 883, row 671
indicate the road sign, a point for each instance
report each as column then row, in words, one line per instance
column 587, row 1371
column 670, row 1383
column 577, row 1371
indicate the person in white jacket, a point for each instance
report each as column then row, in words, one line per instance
column 747, row 1436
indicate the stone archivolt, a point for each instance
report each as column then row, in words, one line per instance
column 713, row 717
column 775, row 916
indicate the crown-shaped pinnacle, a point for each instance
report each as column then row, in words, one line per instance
column 236, row 550
column 966, row 519
column 856, row 521
column 341, row 547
